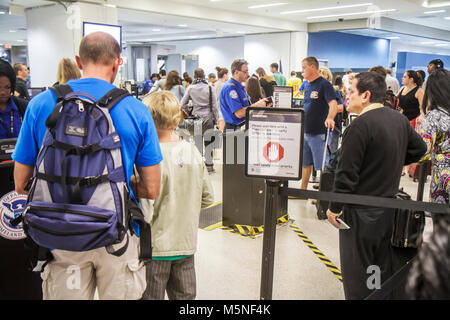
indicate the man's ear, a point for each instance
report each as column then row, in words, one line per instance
column 79, row 64
column 366, row 96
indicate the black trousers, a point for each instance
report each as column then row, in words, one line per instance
column 365, row 247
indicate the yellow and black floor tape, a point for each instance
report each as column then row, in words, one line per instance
column 317, row 252
column 245, row 230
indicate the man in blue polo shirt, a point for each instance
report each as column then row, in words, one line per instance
column 233, row 97
column 114, row 277
column 320, row 110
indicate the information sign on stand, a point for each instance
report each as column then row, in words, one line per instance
column 282, row 97
column 274, row 143
column 273, row 151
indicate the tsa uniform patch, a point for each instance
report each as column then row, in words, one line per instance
column 11, row 206
column 233, row 94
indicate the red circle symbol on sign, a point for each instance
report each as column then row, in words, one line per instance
column 273, row 152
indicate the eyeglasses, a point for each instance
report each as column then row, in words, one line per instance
column 243, row 71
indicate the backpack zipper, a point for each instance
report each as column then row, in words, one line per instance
column 81, row 213
column 62, row 233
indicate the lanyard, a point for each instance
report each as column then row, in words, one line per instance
column 12, row 122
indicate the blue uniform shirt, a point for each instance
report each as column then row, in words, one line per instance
column 232, row 98
column 317, row 95
column 6, row 129
column 131, row 118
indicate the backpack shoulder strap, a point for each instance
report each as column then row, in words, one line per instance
column 61, row 90
column 210, row 99
column 112, row 97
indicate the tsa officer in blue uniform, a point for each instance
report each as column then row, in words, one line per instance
column 233, row 97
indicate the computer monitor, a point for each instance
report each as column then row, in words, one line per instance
column 7, row 148
column 34, row 91
column 113, row 30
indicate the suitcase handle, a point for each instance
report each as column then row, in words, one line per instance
column 325, row 150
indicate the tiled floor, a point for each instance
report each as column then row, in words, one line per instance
column 228, row 265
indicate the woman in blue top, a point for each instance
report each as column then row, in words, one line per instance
column 11, row 108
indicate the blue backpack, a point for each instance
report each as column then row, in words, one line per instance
column 78, row 200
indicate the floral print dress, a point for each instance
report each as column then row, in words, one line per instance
column 435, row 131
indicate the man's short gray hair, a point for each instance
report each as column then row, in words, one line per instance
column 237, row 65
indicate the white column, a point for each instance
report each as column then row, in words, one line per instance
column 54, row 33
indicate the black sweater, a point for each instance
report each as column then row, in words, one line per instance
column 375, row 147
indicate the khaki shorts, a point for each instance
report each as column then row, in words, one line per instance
column 76, row 275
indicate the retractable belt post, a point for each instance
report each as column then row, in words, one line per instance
column 270, row 222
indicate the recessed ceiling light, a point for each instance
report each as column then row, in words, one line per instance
column 437, row 4
column 442, row 45
column 182, row 25
column 434, row 11
column 12, row 30
column 267, row 5
column 19, row 40
column 2, row 12
column 156, row 30
column 328, row 8
column 110, row 5
column 427, row 42
column 351, row 14
column 392, row 38
column 240, row 32
column 447, row 18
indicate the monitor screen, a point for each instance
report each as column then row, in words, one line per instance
column 115, row 31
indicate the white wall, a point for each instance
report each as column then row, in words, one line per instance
column 212, row 52
column 263, row 49
column 259, row 50
column 54, row 34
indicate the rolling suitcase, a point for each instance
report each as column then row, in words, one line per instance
column 325, row 183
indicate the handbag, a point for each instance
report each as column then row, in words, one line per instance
column 408, row 225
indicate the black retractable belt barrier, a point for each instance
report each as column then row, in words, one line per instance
column 370, row 201
column 380, row 202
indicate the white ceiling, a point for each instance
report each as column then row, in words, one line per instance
column 144, row 26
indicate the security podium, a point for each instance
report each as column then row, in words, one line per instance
column 243, row 198
column 17, row 282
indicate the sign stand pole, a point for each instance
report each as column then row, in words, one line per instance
column 270, row 222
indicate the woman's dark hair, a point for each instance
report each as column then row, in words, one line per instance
column 380, row 70
column 413, row 74
column 253, row 89
column 338, row 81
column 437, row 92
column 429, row 277
column 221, row 72
column 421, row 75
column 173, row 79
column 6, row 70
column 374, row 83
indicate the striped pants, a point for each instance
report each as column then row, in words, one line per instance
column 177, row 277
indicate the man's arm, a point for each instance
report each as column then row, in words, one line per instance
column 147, row 184
column 22, row 175
column 333, row 110
column 241, row 112
column 417, row 148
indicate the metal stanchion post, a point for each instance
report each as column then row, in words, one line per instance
column 270, row 221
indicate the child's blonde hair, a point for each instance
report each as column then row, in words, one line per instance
column 165, row 109
column 326, row 73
